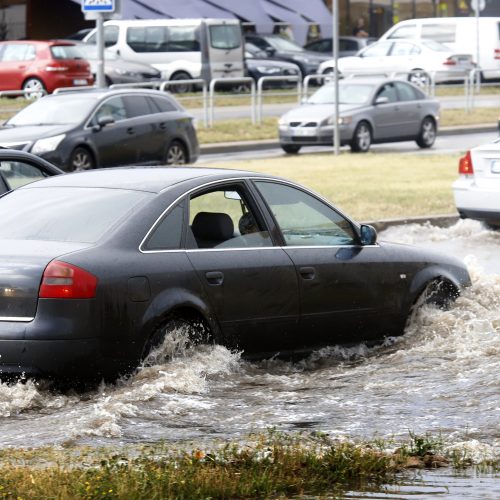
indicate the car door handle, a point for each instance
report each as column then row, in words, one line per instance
column 163, row 125
column 215, row 277
column 130, row 131
column 308, row 273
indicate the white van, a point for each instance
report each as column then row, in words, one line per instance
column 180, row 48
column 458, row 33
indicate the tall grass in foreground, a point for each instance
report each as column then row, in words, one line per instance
column 274, row 465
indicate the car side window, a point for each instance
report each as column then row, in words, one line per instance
column 148, row 39
column 19, row 52
column 405, row 49
column 377, row 50
column 303, row 219
column 136, row 105
column 406, row 92
column 161, row 104
column 408, row 31
column 114, row 107
column 223, row 218
column 110, row 36
column 19, row 173
column 167, row 234
column 389, row 91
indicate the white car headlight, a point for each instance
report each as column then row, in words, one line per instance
column 267, row 70
column 282, row 122
column 343, row 120
column 49, row 144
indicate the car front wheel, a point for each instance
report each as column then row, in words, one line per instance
column 81, row 159
column 290, row 148
column 427, row 134
column 182, row 88
column 176, row 154
column 362, row 138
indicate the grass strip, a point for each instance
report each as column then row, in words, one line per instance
column 273, row 464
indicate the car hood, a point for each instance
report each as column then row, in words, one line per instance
column 22, row 263
column 317, row 112
column 310, row 56
column 29, row 133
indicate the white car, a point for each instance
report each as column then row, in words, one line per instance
column 420, row 59
column 477, row 190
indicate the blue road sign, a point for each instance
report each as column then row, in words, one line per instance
column 98, row 5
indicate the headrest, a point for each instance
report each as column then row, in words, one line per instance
column 212, row 226
column 247, row 224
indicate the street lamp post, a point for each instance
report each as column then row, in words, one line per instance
column 335, row 38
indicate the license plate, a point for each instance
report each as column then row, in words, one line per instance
column 309, row 131
column 79, row 82
column 495, row 167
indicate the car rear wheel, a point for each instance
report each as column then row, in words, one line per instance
column 419, row 77
column 290, row 148
column 81, row 159
column 35, row 87
column 174, row 337
column 176, row 154
column 182, row 88
column 362, row 138
column 427, row 134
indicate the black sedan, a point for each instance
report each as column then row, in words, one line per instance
column 18, row 168
column 79, row 130
column 98, row 268
column 278, row 47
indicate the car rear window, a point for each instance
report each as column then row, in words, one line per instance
column 225, row 36
column 65, row 213
column 65, row 52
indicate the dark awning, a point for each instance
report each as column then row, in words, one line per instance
column 181, row 9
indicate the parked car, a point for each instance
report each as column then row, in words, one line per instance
column 348, row 45
column 118, row 70
column 370, row 111
column 18, row 168
column 278, row 47
column 106, row 128
column 459, row 34
column 421, row 60
column 477, row 190
column 259, row 65
column 41, row 66
column 98, row 268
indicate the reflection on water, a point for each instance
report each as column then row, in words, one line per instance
column 442, row 377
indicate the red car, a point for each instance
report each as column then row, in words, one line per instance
column 42, row 65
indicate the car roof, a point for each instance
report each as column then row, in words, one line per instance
column 150, row 179
column 99, row 93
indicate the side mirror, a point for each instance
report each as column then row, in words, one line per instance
column 270, row 52
column 102, row 122
column 381, row 100
column 368, row 235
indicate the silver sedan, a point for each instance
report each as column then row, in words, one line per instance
column 370, row 111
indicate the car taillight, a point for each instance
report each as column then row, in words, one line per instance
column 465, row 164
column 56, row 67
column 64, row 281
column 450, row 62
column 497, row 54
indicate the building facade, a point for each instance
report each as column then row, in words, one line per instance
column 57, row 18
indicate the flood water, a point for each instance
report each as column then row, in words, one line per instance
column 442, row 377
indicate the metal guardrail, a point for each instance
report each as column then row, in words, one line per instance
column 214, row 82
column 260, row 87
column 197, row 81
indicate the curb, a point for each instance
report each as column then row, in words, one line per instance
column 234, row 147
column 444, row 220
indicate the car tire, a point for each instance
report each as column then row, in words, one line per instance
column 419, row 77
column 36, row 88
column 81, row 159
column 427, row 135
column 181, row 333
column 362, row 138
column 183, row 88
column 291, row 149
column 176, row 154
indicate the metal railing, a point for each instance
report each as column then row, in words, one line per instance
column 211, row 96
column 260, row 90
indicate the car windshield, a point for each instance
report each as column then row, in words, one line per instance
column 349, row 94
column 282, row 44
column 436, row 46
column 71, row 214
column 57, row 110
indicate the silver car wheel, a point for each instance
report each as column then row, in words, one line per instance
column 176, row 154
column 34, row 88
column 427, row 134
column 362, row 138
column 419, row 78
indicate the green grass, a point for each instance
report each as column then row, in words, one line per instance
column 370, row 186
